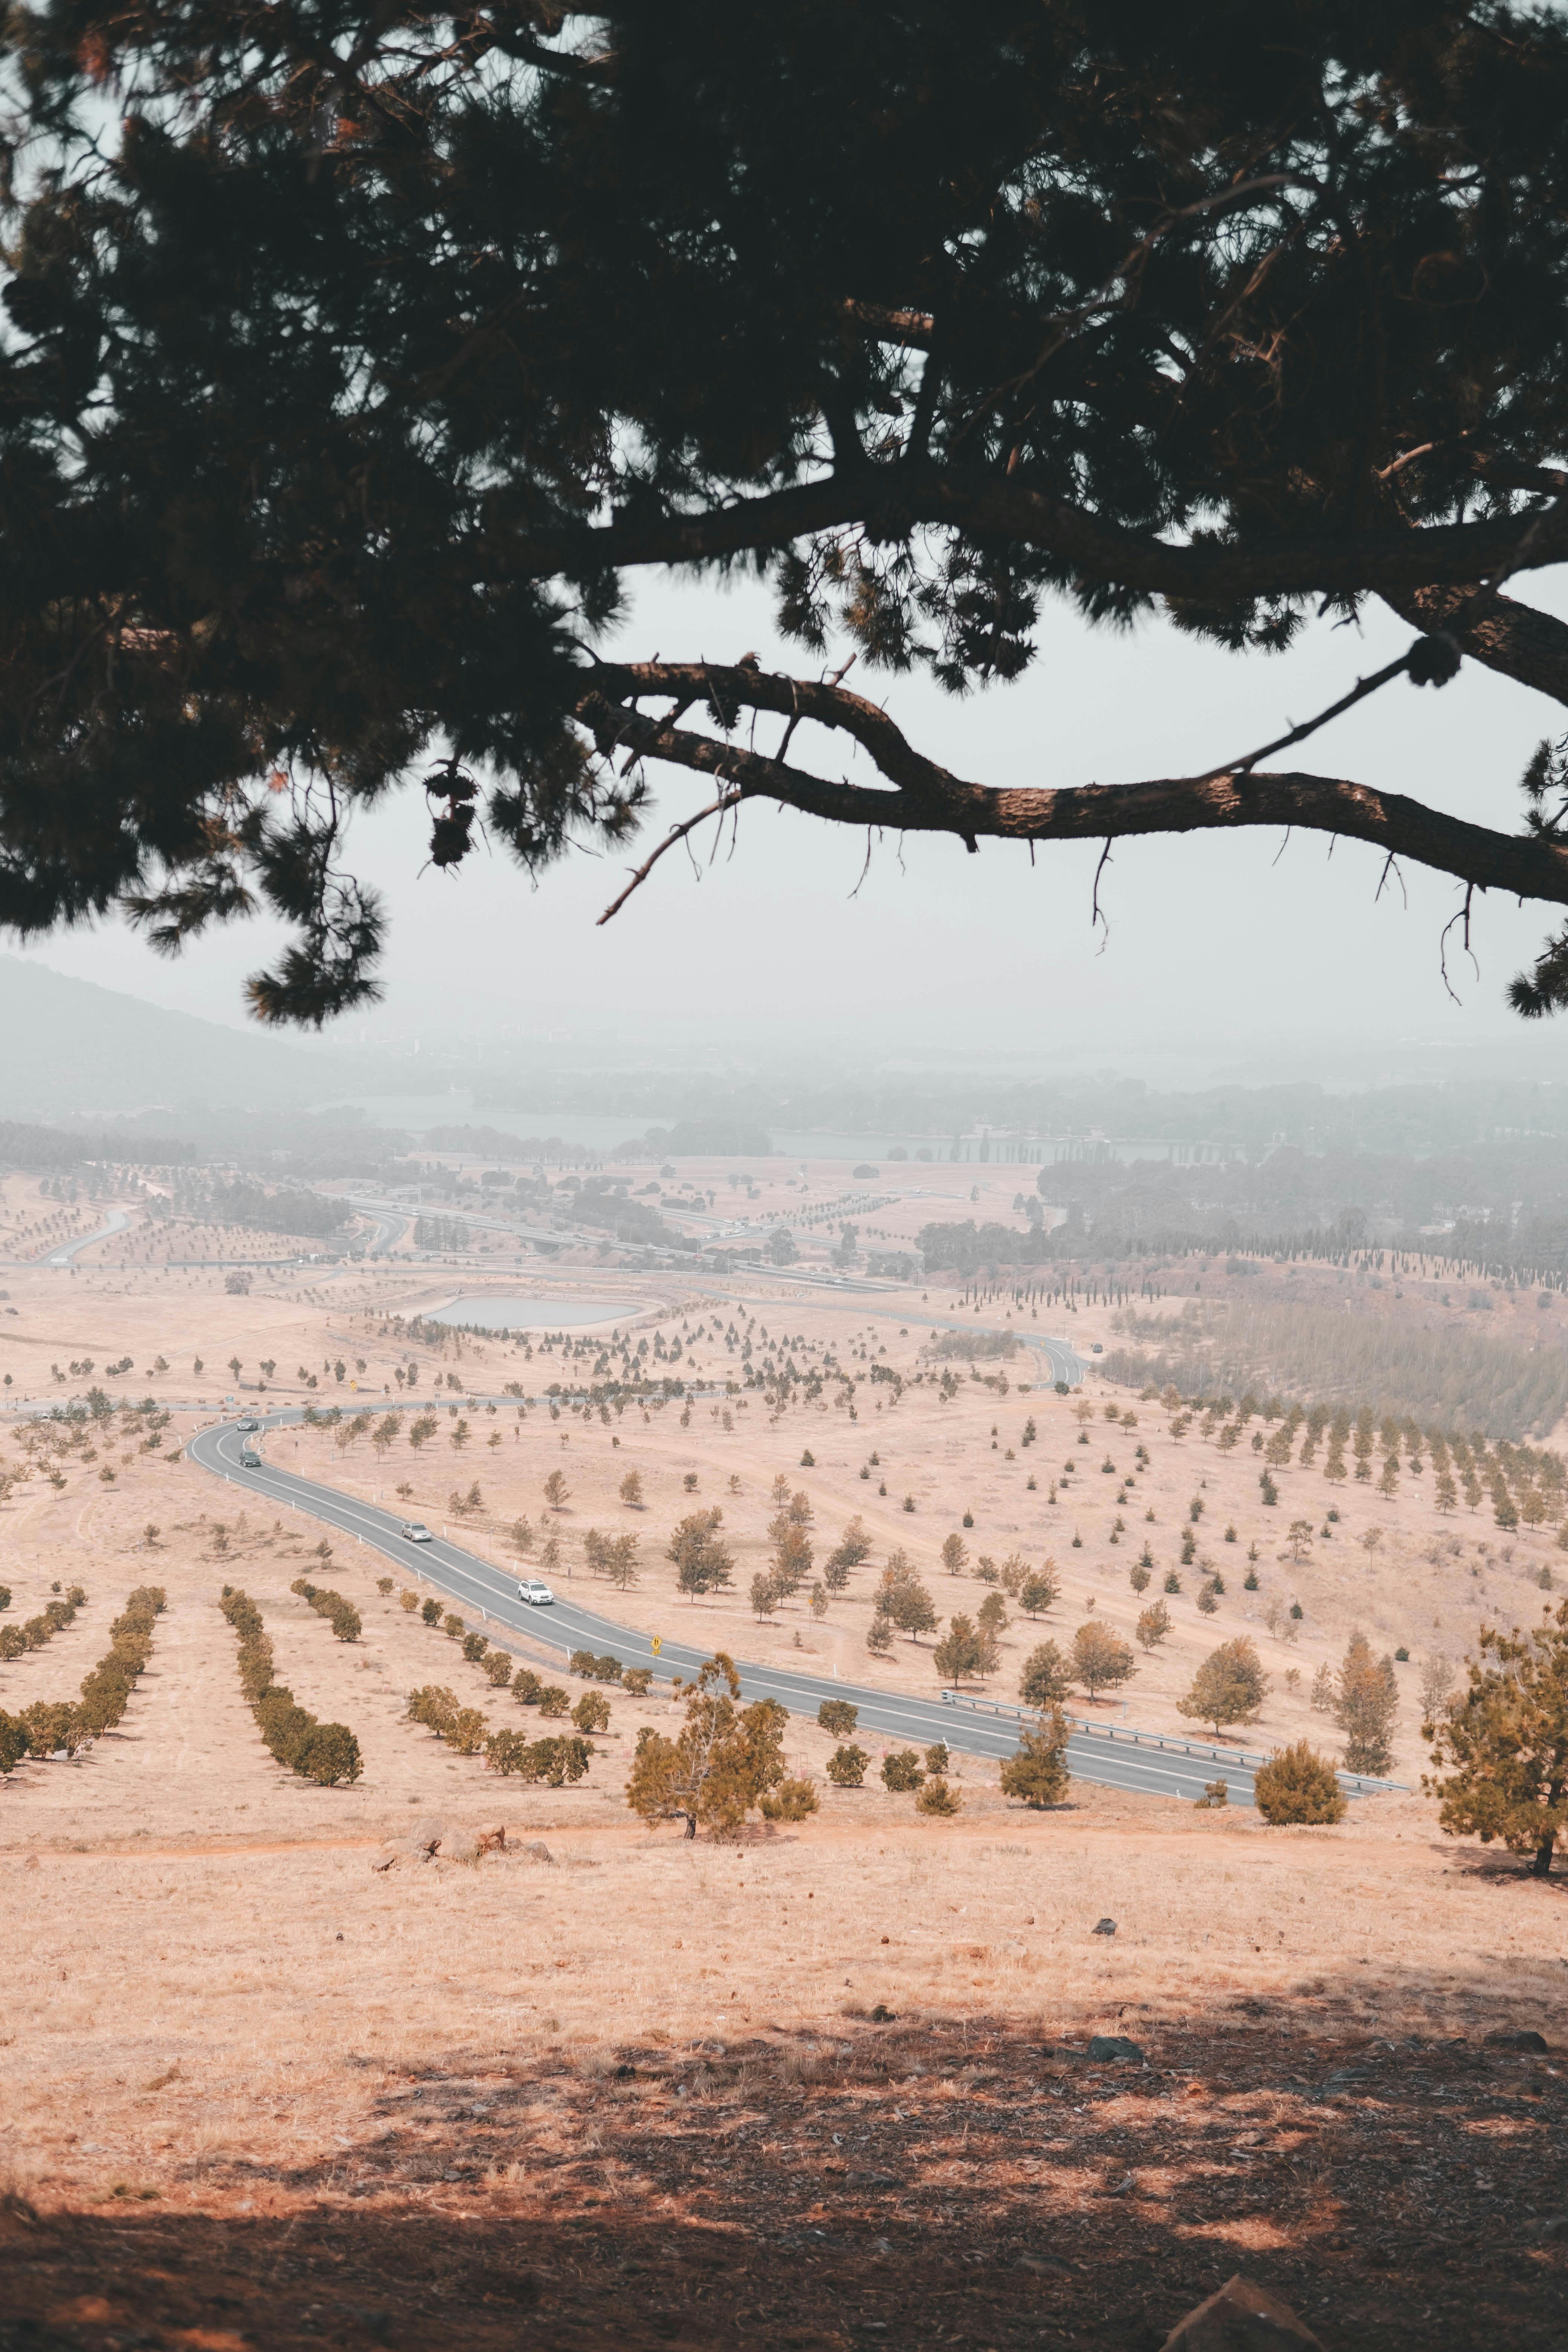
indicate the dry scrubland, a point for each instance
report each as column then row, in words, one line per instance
column 227, row 2126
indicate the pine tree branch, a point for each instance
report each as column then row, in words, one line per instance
column 1322, row 563
column 926, row 798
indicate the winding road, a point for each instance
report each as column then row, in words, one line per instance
column 1110, row 1757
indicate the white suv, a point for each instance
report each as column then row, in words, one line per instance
column 536, row 1593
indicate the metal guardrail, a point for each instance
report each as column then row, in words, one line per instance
column 1359, row 1784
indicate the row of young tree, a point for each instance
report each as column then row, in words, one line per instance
column 324, row 1752
column 50, row 1725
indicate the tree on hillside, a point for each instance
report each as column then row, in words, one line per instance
column 1230, row 1685
column 703, row 1562
column 1366, row 1700
column 1046, row 1678
column 926, row 315
column 1101, row 1660
column 1501, row 1750
column 960, row 1652
column 556, row 1490
column 722, row 1762
column 1037, row 1772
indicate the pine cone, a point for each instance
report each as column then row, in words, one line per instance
column 1433, row 661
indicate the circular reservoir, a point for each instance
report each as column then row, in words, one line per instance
column 494, row 1314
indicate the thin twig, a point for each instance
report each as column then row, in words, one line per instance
column 1357, row 693
column 677, row 832
column 1095, row 915
column 1460, row 915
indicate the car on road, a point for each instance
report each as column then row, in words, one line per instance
column 247, row 1426
column 536, row 1593
column 248, row 1458
column 416, row 1531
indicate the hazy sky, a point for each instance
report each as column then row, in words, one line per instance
column 1226, row 952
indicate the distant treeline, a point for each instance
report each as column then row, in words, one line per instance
column 40, row 1150
column 1446, row 1374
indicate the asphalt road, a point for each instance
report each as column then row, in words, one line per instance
column 571, row 1625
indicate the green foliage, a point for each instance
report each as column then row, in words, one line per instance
column 636, row 1681
column 902, row 1769
column 592, row 1712
column 1297, row 1786
column 1501, row 1750
column 553, row 1700
column 846, row 1767
column 526, row 1687
column 838, row 1717
column 474, row 1647
column 498, row 1670
column 324, row 1752
column 430, row 1610
column 1038, row 1774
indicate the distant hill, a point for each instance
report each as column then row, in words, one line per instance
column 70, row 1049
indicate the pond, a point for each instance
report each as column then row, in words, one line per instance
column 515, row 1314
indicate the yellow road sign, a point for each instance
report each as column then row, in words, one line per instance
column 658, row 1644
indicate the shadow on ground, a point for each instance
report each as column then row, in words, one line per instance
column 939, row 2183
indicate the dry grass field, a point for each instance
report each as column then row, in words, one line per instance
column 826, row 2086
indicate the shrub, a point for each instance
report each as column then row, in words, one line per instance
column 325, row 1752
column 791, row 1801
column 435, row 1707
column 938, row 1757
column 938, row 1801
column 52, row 1723
column 838, row 1717
column 1215, row 1794
column 553, row 1700
column 5, row 1596
column 1297, row 1786
column 1039, row 1773
column 902, row 1769
column 452, row 1626
column 474, row 1647
column 498, row 1669
column 343, row 1615
column 846, row 1767
column 592, row 1712
column 556, row 1761
column 1138, row 1577
column 637, row 1680
column 12, row 1742
column 431, row 1611
column 526, row 1687
column 409, row 1600
column 384, row 1585
column 466, row 1732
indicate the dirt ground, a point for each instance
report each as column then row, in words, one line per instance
column 829, row 2087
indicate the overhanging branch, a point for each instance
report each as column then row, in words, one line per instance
column 1312, row 563
column 922, row 797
